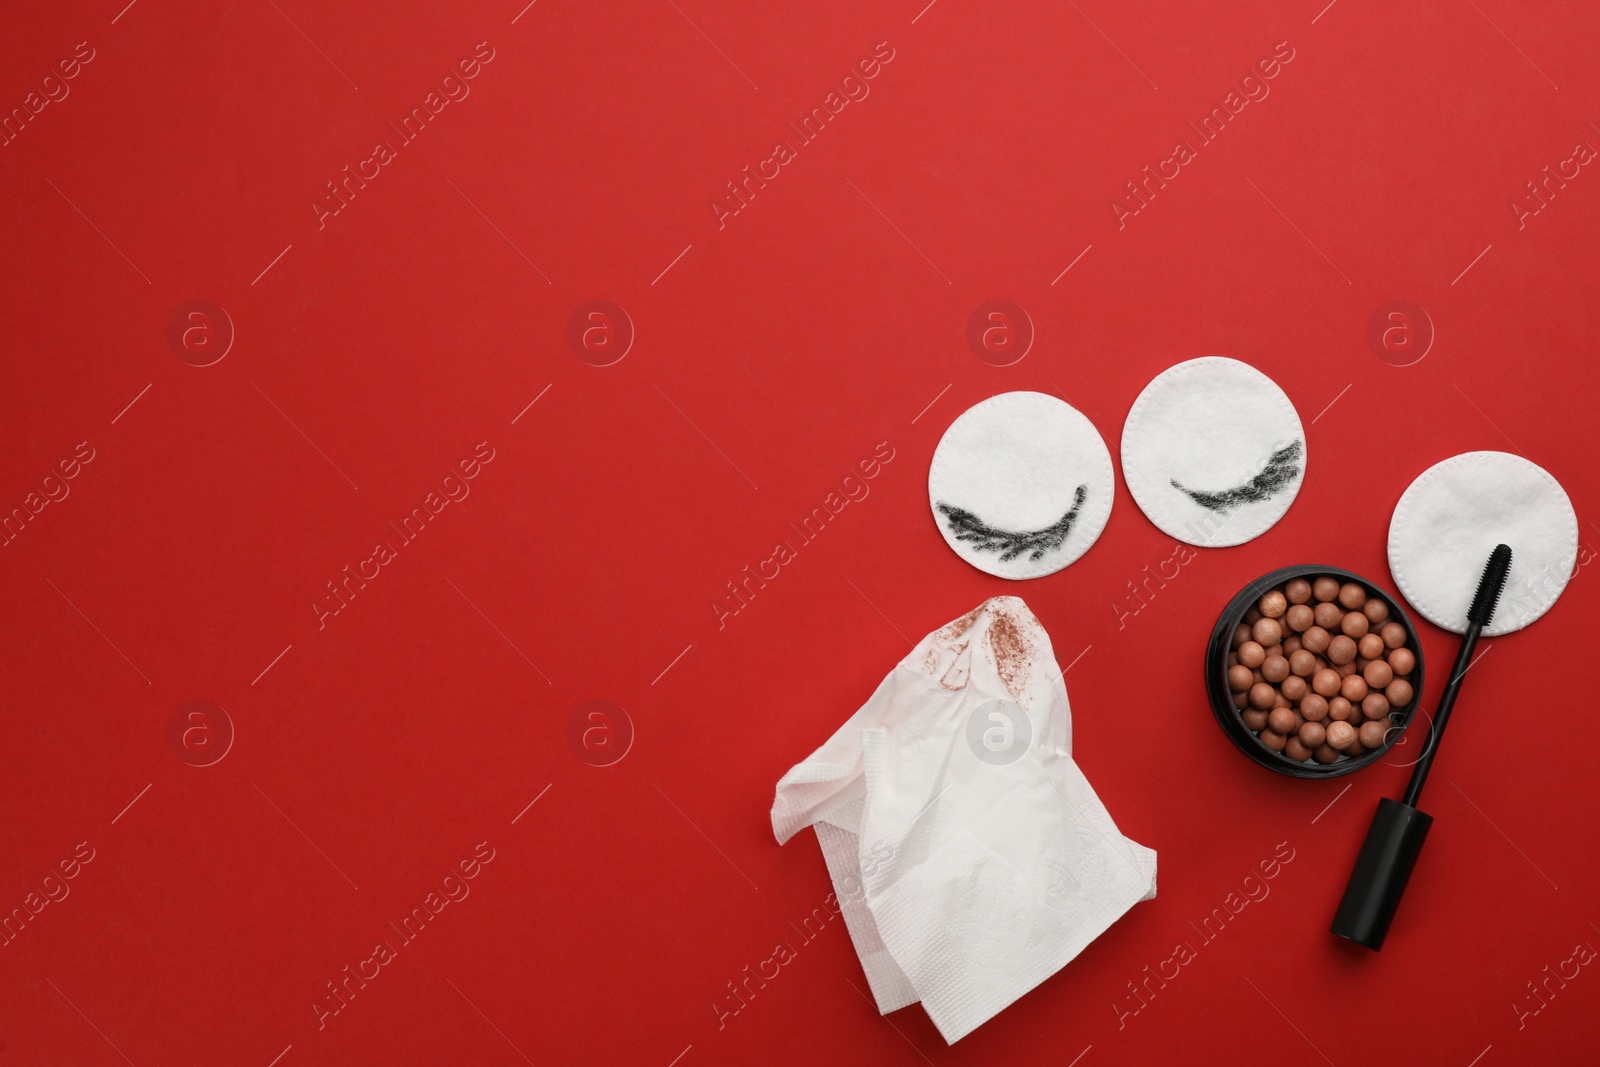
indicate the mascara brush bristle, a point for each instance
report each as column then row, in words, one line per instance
column 1494, row 580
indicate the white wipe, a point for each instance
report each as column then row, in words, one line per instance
column 1213, row 452
column 1450, row 519
column 971, row 858
column 1021, row 485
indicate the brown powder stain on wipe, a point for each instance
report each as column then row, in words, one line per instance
column 959, row 628
column 947, row 657
column 955, row 678
column 1014, row 652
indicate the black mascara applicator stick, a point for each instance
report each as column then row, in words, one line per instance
column 1394, row 840
column 1478, row 616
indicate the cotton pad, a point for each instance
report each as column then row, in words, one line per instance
column 1021, row 485
column 1450, row 519
column 1213, row 452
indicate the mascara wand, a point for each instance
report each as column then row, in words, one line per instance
column 1394, row 840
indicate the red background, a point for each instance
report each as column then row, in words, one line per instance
column 772, row 355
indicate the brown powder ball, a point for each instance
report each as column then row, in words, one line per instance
column 1352, row 596
column 1325, row 682
column 1341, row 735
column 1267, row 631
column 1316, row 639
column 1371, row 734
column 1341, row 650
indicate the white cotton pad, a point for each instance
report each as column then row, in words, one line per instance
column 1213, row 452
column 1021, row 485
column 1450, row 519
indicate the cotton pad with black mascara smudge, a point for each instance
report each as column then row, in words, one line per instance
column 1213, row 452
column 1452, row 516
column 1021, row 485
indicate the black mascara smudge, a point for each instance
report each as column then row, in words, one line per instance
column 965, row 526
column 1281, row 469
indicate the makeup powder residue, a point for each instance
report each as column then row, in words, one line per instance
column 1014, row 652
column 948, row 657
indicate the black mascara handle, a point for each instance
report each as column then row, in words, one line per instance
column 1447, row 700
column 1394, row 840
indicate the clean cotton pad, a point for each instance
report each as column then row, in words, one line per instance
column 1213, row 452
column 1021, row 485
column 1450, row 519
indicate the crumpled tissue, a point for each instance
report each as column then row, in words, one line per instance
column 971, row 858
